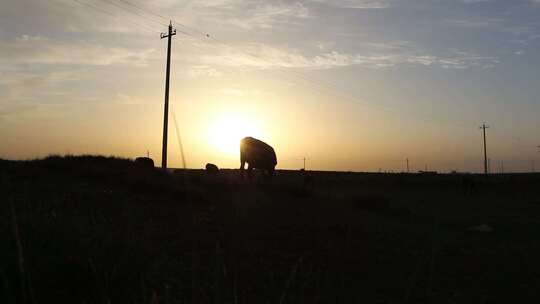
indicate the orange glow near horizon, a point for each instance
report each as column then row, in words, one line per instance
column 225, row 133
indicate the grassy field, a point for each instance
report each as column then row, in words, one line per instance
column 102, row 230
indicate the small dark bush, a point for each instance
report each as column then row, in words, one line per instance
column 211, row 168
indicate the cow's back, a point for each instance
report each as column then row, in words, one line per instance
column 257, row 153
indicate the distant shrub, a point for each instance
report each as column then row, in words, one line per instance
column 211, row 168
column 144, row 162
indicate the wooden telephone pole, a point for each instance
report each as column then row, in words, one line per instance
column 169, row 35
column 484, row 127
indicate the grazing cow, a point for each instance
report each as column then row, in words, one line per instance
column 144, row 162
column 258, row 155
column 211, row 168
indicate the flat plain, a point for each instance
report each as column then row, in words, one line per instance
column 91, row 229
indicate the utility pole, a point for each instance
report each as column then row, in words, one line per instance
column 484, row 127
column 407, row 165
column 169, row 35
column 533, row 167
column 304, row 164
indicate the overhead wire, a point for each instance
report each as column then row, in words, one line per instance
column 103, row 11
column 134, row 12
column 330, row 89
column 323, row 87
column 142, row 9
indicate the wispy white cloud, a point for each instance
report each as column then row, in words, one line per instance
column 238, row 92
column 266, row 57
column 474, row 1
column 247, row 15
column 518, row 30
column 197, row 71
column 524, row 32
column 42, row 50
column 270, row 15
column 475, row 22
column 358, row 4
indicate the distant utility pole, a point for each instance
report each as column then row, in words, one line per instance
column 169, row 35
column 304, row 164
column 484, row 127
column 407, row 165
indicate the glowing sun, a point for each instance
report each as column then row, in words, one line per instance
column 228, row 129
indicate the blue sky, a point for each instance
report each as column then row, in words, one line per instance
column 353, row 84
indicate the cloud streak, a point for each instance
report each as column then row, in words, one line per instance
column 248, row 15
column 41, row 50
column 357, row 4
column 267, row 57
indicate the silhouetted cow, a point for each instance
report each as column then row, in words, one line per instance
column 258, row 155
column 145, row 162
column 211, row 168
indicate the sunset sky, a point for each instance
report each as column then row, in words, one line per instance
column 352, row 85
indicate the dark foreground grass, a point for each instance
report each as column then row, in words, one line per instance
column 102, row 230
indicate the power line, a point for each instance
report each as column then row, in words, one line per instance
column 134, row 12
column 142, row 9
column 123, row 9
column 331, row 88
column 318, row 85
column 327, row 88
column 303, row 76
column 98, row 9
column 160, row 16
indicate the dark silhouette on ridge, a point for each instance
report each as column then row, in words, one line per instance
column 146, row 162
column 258, row 155
column 211, row 168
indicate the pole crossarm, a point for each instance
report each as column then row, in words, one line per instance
column 172, row 32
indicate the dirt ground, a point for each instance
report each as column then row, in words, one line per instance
column 103, row 230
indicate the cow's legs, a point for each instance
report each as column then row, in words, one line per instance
column 250, row 171
column 242, row 164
